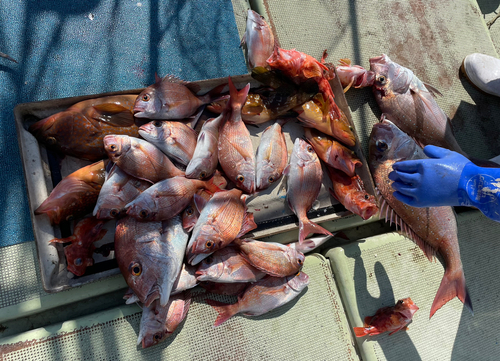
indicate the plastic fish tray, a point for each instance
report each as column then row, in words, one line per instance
column 43, row 169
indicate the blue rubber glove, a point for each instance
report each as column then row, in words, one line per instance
column 447, row 179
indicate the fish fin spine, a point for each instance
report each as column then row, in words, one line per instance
column 362, row 331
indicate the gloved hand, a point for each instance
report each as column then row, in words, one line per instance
column 430, row 182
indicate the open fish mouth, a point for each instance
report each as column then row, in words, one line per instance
column 153, row 294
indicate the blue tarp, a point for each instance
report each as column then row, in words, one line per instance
column 78, row 47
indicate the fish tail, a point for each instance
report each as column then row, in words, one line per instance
column 238, row 98
column 226, row 311
column 213, row 95
column 306, row 227
column 452, row 285
column 362, row 331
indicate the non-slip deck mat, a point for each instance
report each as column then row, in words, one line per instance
column 88, row 47
column 311, row 327
column 429, row 37
column 377, row 271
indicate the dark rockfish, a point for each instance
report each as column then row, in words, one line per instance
column 171, row 98
column 433, row 229
column 79, row 130
column 75, row 195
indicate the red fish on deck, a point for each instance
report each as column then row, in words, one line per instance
column 392, row 319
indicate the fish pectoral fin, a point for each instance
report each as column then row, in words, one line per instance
column 113, row 114
column 199, row 202
column 243, row 152
column 432, row 90
column 424, row 101
column 247, row 225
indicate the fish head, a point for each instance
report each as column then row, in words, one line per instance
column 148, row 104
column 407, row 307
column 245, row 179
column 78, row 258
column 298, row 282
column 143, row 208
column 207, row 242
column 190, row 217
column 267, row 174
column 290, row 61
column 210, row 268
column 389, row 143
column 152, row 328
column 198, row 168
column 318, row 140
column 366, row 204
column 154, row 130
column 254, row 17
column 304, row 152
column 390, row 77
column 116, row 146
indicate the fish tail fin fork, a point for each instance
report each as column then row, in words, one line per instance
column 237, row 98
column 226, row 311
column 306, row 227
column 362, row 331
column 452, row 285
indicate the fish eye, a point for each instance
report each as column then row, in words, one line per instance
column 309, row 149
column 51, row 141
column 400, row 302
column 271, row 179
column 143, row 214
column 367, row 196
column 146, row 98
column 112, row 147
column 209, row 244
column 157, row 336
column 209, row 260
column 189, row 211
column 381, row 145
column 381, row 79
column 158, row 123
column 78, row 262
column 70, row 218
column 299, row 261
column 135, row 269
column 114, row 212
column 240, row 178
column 203, row 175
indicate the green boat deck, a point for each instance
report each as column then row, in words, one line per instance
column 349, row 279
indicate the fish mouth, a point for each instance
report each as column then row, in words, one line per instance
column 194, row 259
column 153, row 294
column 140, row 114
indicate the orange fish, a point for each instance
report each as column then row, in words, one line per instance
column 76, row 194
column 139, row 158
column 392, row 319
column 433, row 229
column 236, row 154
column 304, row 179
column 262, row 296
column 351, row 192
column 79, row 252
column 313, row 115
column 333, row 153
column 275, row 259
column 79, row 130
column 222, row 219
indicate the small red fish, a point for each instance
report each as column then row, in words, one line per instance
column 75, row 195
column 79, row 252
column 350, row 191
column 392, row 319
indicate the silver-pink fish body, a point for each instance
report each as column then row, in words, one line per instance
column 175, row 139
column 140, row 158
column 227, row 266
column 168, row 98
column 410, row 104
column 236, row 154
column 272, row 157
column 166, row 199
column 304, row 179
column 159, row 322
column 118, row 190
column 206, row 153
column 259, row 40
column 186, row 279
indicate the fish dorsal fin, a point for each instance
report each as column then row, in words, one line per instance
column 432, row 90
column 172, row 79
column 113, row 114
column 391, row 216
column 157, row 78
column 195, row 88
column 345, row 62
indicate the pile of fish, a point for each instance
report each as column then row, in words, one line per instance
column 178, row 196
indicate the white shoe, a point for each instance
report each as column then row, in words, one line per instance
column 483, row 71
